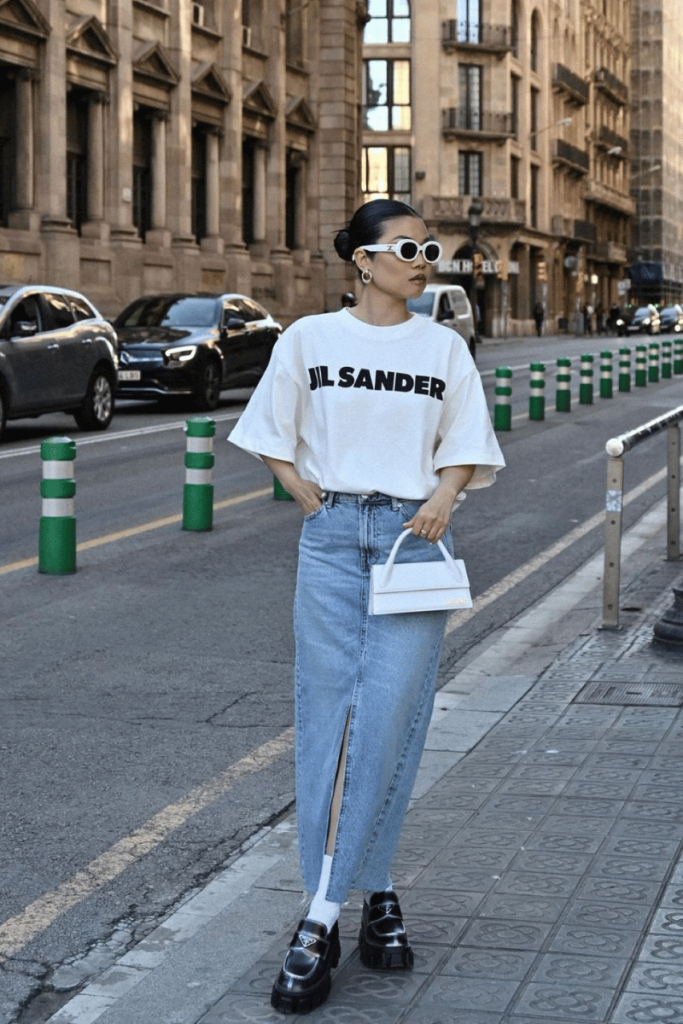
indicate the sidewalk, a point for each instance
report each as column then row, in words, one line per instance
column 538, row 869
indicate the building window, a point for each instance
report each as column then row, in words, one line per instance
column 514, row 28
column 535, row 40
column 386, row 94
column 386, row 172
column 199, row 229
column 469, row 174
column 533, row 197
column 515, row 163
column 8, row 153
column 469, row 91
column 292, row 197
column 294, row 31
column 142, row 172
column 514, row 100
column 252, row 16
column 389, row 22
column 76, row 158
column 469, row 21
column 248, row 189
column 533, row 118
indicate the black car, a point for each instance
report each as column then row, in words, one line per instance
column 671, row 319
column 192, row 345
column 57, row 354
column 643, row 320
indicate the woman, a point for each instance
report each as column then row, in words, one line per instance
column 374, row 420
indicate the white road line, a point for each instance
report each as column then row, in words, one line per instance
column 120, row 435
column 39, row 915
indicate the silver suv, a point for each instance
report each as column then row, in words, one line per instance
column 57, row 354
column 448, row 304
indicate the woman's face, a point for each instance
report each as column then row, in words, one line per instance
column 394, row 276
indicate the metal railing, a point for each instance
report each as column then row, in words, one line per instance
column 616, row 448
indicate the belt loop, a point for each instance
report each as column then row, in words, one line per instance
column 329, row 498
column 396, row 503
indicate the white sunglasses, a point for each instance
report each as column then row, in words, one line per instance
column 408, row 250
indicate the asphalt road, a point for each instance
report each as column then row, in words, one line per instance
column 145, row 702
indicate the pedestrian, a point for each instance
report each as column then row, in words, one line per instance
column 348, row 300
column 374, row 420
column 539, row 315
column 600, row 319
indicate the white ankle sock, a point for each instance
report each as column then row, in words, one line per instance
column 321, row 909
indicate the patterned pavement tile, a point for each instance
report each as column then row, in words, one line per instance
column 439, row 1014
column 436, row 931
column 662, row 949
column 593, row 941
column 631, row 845
column 437, row 903
column 505, row 964
column 506, row 935
column 448, row 878
column 588, row 808
column 525, row 907
column 485, row 995
column 607, row 914
column 564, row 842
column 634, row 829
column 673, row 896
column 457, row 856
column 553, row 862
column 356, row 984
column 454, row 799
column 667, row 921
column 654, row 810
column 626, row 891
column 565, row 1002
column 636, row 1008
column 559, row 968
column 536, row 883
column 491, row 838
column 666, row 979
column 238, row 1008
column 640, row 868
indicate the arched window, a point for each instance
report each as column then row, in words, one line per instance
column 514, row 27
column 389, row 22
column 535, row 41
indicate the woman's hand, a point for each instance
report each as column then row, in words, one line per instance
column 307, row 494
column 432, row 519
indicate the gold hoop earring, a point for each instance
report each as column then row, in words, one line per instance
column 366, row 276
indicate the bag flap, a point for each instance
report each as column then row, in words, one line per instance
column 409, row 576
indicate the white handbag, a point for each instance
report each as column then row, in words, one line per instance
column 418, row 586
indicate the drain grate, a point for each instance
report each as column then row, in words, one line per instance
column 653, row 695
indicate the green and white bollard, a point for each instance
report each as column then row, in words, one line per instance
column 678, row 356
column 606, row 383
column 666, row 360
column 199, row 460
column 537, row 396
column 279, row 493
column 586, row 380
column 502, row 409
column 563, row 394
column 57, row 538
column 625, row 369
column 653, row 365
column 641, row 366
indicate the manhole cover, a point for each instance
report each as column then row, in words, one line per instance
column 652, row 694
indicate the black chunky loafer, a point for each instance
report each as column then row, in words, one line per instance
column 304, row 981
column 383, row 941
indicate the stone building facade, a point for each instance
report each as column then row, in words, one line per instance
column 656, row 270
column 523, row 106
column 159, row 145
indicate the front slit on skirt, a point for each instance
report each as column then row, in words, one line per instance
column 376, row 672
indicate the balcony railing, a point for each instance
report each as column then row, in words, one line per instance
column 571, row 83
column 584, row 230
column 456, row 120
column 572, row 157
column 609, row 139
column 494, row 209
column 456, row 34
column 609, row 252
column 612, row 86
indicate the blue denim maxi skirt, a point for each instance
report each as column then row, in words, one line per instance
column 377, row 672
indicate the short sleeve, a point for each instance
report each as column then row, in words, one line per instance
column 466, row 436
column 270, row 423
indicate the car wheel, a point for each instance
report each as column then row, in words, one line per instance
column 207, row 386
column 98, row 405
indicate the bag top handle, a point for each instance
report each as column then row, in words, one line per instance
column 389, row 564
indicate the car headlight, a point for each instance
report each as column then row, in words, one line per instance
column 182, row 354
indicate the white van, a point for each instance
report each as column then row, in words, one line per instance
column 447, row 304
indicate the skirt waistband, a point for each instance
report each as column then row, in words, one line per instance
column 373, row 498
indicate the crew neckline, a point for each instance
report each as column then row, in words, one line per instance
column 390, row 331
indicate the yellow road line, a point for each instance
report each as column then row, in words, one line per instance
column 133, row 531
column 17, row 931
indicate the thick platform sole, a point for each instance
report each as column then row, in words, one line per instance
column 380, row 959
column 303, row 1002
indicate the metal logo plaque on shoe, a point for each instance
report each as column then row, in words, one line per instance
column 374, row 675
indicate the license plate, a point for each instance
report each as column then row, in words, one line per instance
column 129, row 375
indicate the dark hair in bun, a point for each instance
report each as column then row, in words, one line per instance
column 367, row 224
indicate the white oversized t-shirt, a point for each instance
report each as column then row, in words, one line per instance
column 359, row 408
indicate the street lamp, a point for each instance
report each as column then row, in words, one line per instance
column 474, row 220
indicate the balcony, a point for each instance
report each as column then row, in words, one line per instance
column 584, row 231
column 500, row 211
column 610, row 198
column 608, row 252
column 461, row 35
column 611, row 86
column 607, row 139
column 484, row 124
column 562, row 226
column 571, row 157
column 570, row 83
